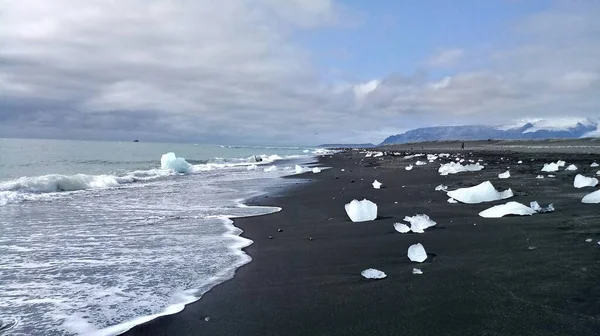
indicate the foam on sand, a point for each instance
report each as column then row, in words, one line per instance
column 377, row 184
column 582, row 181
column 174, row 163
column 419, row 223
column 454, row 168
column 417, row 253
column 372, row 273
column 361, row 211
column 510, row 208
column 483, row 192
column 504, row 175
column 592, row 197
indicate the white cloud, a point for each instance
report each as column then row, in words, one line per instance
column 446, row 58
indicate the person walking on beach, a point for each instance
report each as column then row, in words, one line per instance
column 462, row 146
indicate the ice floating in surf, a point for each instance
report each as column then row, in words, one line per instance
column 402, row 228
column 571, row 168
column 454, row 168
column 372, row 273
column 582, row 181
column 316, row 170
column 484, row 192
column 504, row 175
column 592, row 197
column 271, row 169
column 361, row 211
column 251, row 167
column 419, row 223
column 377, row 184
column 417, row 253
column 409, row 167
column 510, row 208
column 174, row 163
column 299, row 169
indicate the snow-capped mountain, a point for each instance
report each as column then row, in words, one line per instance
column 532, row 129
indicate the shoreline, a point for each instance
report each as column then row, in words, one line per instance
column 480, row 279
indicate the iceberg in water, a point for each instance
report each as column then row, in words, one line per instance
column 550, row 167
column 454, row 167
column 510, row 208
column 417, row 253
column 571, row 167
column 592, row 198
column 361, row 211
column 402, row 228
column 582, row 181
column 484, row 192
column 504, row 175
column 377, row 184
column 177, row 164
column 409, row 167
column 419, row 223
column 372, row 273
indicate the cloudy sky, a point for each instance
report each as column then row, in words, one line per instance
column 290, row 71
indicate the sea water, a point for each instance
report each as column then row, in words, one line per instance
column 95, row 237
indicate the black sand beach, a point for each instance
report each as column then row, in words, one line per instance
column 531, row 275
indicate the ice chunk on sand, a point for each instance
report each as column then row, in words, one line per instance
column 409, row 167
column 571, row 167
column 537, row 208
column 252, row 167
column 177, row 164
column 270, row 169
column 592, row 197
column 504, row 175
column 299, row 169
column 372, row 273
column 561, row 163
column 484, row 192
column 452, row 200
column 369, row 154
column 361, row 211
column 378, row 154
column 589, row 240
column 539, row 177
column 417, row 253
column 550, row 167
column 441, row 187
column 594, row 165
column 510, row 208
column 419, row 223
column 417, row 271
column 453, row 168
column 377, row 184
column 316, row 170
column 582, row 181
column 402, row 228
column 420, row 163
column 519, row 162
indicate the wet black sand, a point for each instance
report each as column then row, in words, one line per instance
column 509, row 276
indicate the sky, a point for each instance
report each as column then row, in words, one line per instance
column 290, row 72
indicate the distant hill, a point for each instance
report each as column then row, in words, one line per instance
column 539, row 129
column 365, row 145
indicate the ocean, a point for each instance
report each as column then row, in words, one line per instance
column 96, row 237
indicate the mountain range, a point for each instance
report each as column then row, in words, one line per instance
column 535, row 129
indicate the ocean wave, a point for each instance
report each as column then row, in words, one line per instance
column 34, row 188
